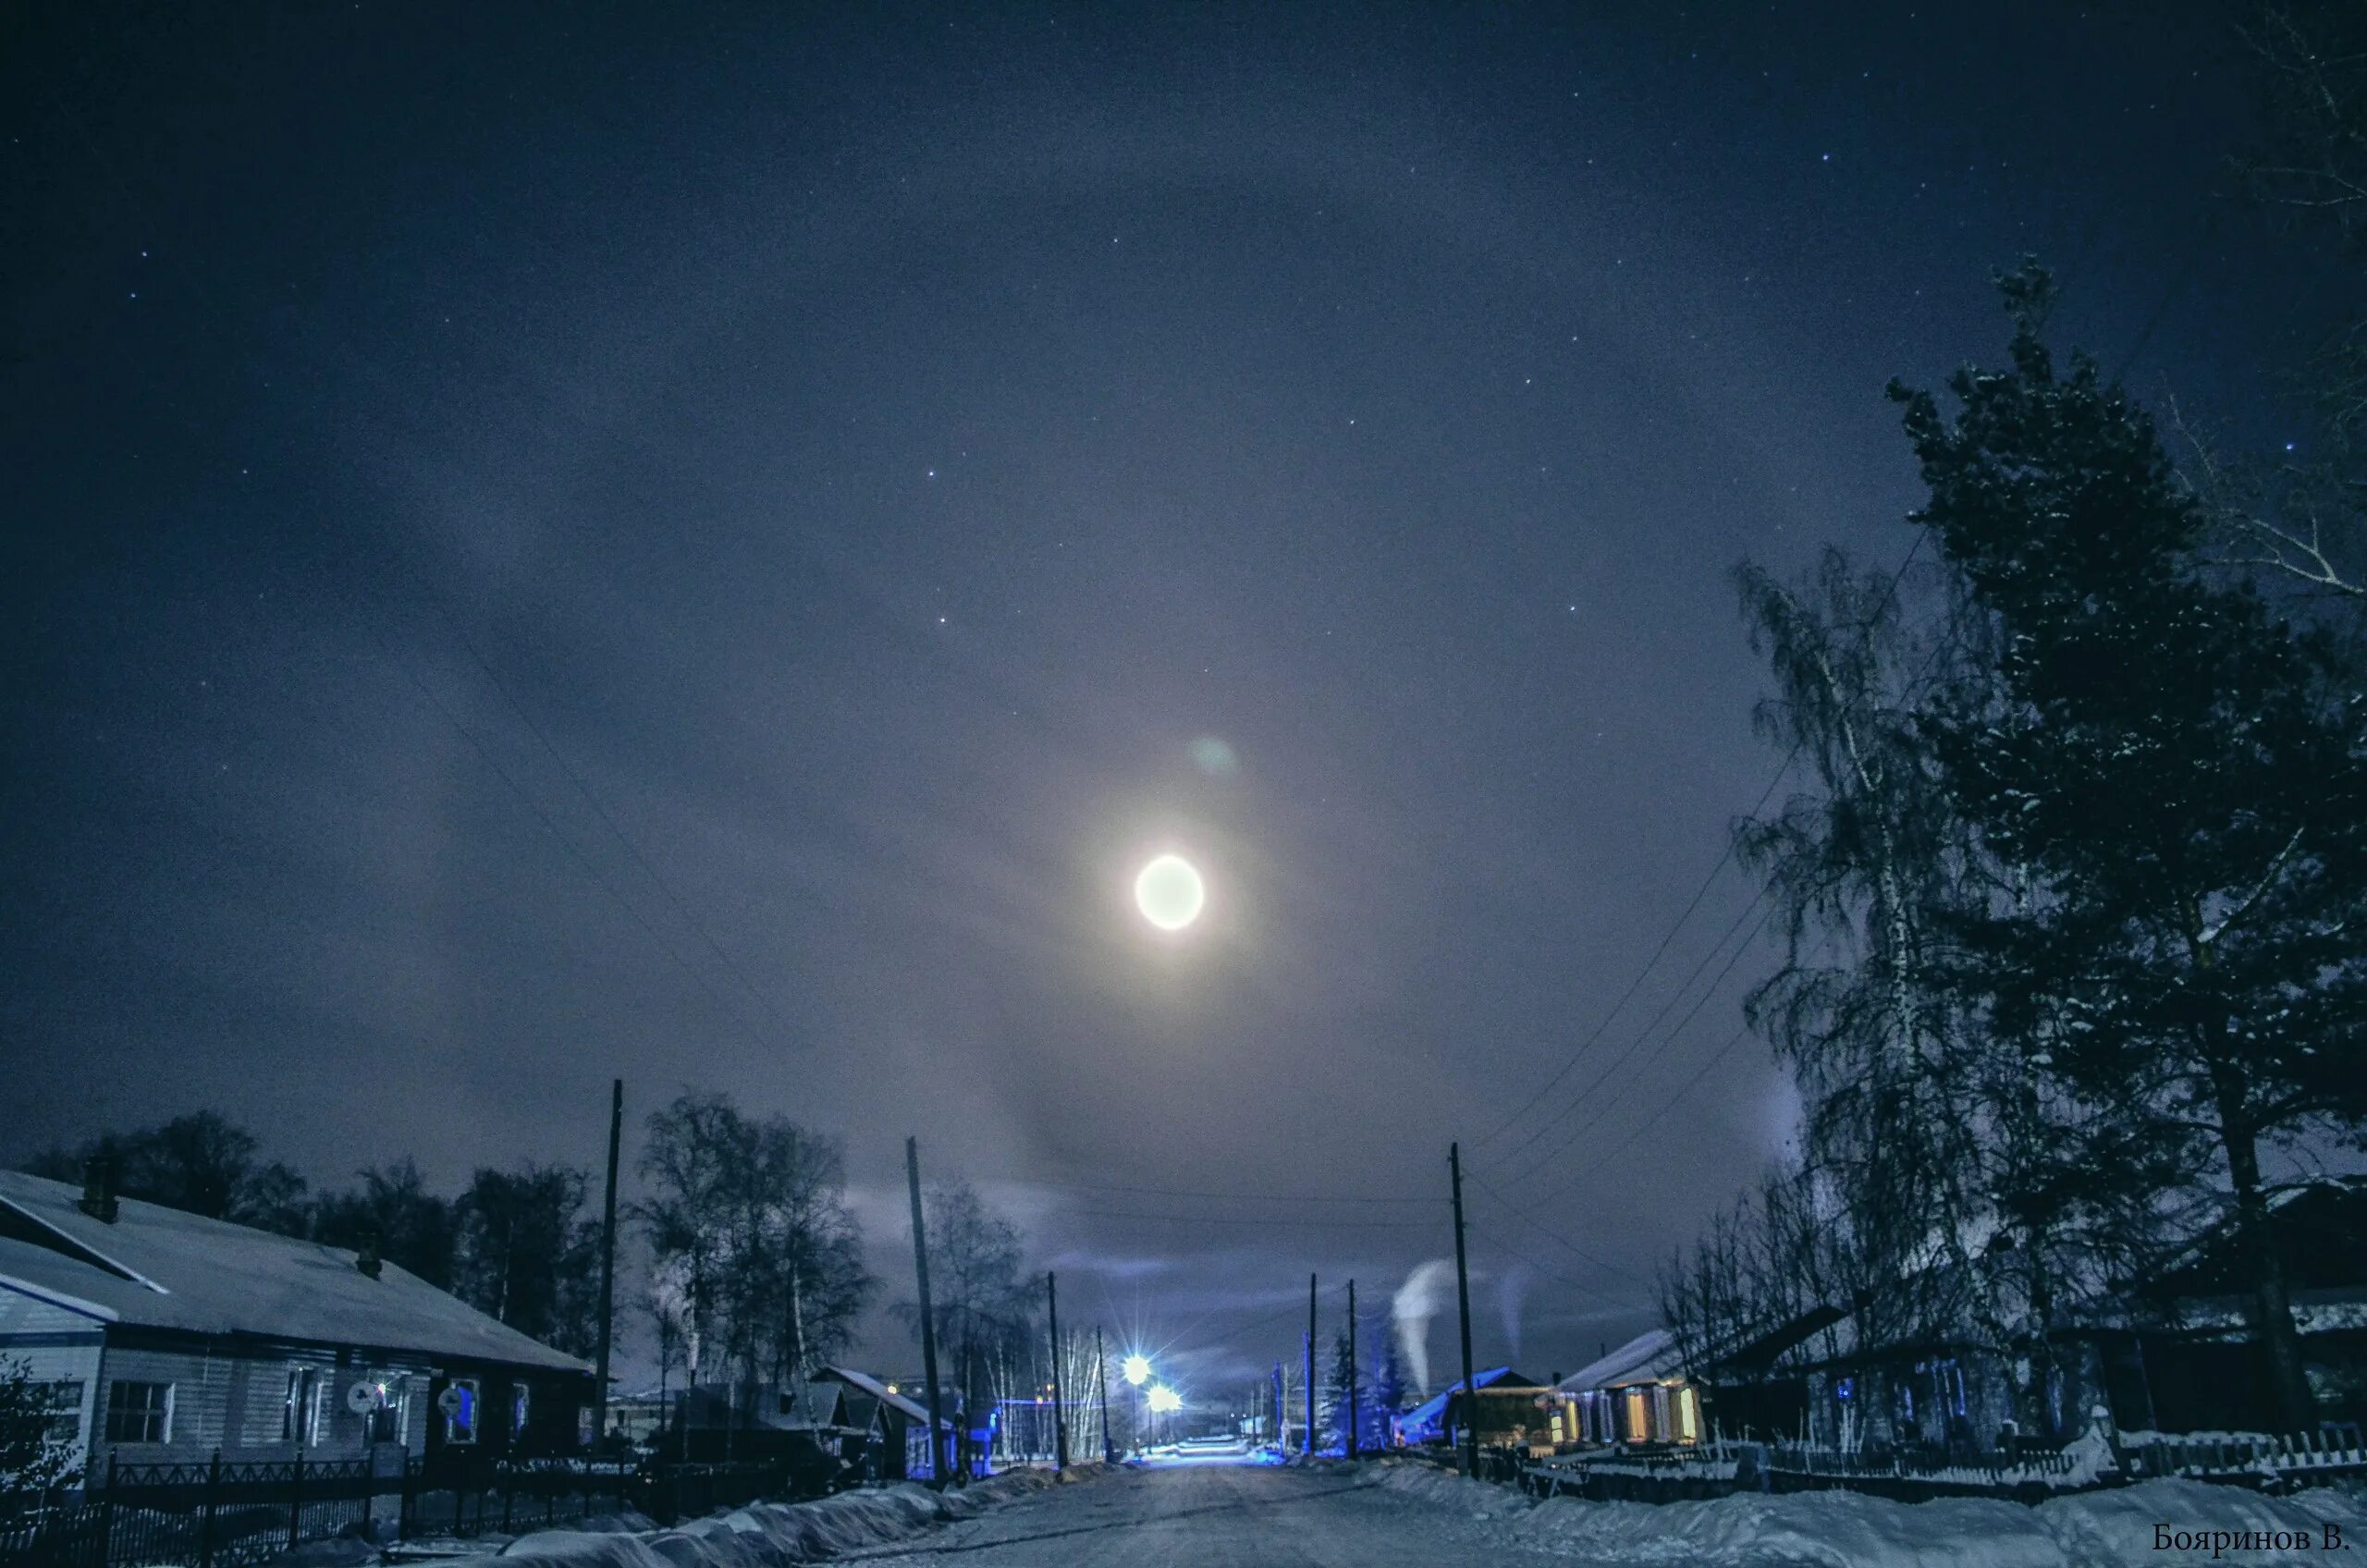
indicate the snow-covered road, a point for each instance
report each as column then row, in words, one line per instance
column 1222, row 1516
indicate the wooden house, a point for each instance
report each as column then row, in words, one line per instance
column 165, row 1335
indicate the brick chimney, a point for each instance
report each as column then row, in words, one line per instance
column 366, row 1257
column 98, row 1188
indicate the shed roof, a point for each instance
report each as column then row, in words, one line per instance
column 1647, row 1358
column 1433, row 1409
column 159, row 1267
column 878, row 1390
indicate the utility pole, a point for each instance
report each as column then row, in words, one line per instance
column 1060, row 1407
column 607, row 1267
column 1463, row 1304
column 928, row 1322
column 1101, row 1374
column 1351, row 1369
column 1308, row 1436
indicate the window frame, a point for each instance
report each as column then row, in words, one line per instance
column 156, row 1411
column 299, row 1416
column 464, row 1427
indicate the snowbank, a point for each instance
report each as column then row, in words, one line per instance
column 2114, row 1529
column 1480, row 1500
column 769, row 1535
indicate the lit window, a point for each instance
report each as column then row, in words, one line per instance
column 460, row 1407
column 1688, row 1414
column 519, row 1401
column 1639, row 1421
column 139, row 1413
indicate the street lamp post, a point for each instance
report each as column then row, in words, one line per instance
column 1137, row 1369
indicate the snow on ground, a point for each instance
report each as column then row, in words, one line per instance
column 768, row 1535
column 1331, row 1513
column 2115, row 1528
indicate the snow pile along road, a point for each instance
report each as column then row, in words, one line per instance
column 2122, row 1527
column 770, row 1534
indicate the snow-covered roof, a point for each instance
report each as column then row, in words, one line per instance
column 1434, row 1408
column 1647, row 1358
column 878, row 1389
column 162, row 1268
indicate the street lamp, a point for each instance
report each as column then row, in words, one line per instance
column 1137, row 1370
column 1165, row 1401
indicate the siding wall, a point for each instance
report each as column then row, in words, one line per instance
column 235, row 1399
column 55, row 1345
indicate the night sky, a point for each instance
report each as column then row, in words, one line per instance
column 707, row 544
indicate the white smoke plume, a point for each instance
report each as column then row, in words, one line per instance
column 1510, row 1288
column 1422, row 1298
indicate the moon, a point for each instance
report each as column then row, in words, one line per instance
column 1170, row 893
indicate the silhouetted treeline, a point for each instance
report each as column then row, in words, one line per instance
column 517, row 1243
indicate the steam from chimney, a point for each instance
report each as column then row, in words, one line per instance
column 365, row 1256
column 1422, row 1298
column 1510, row 1289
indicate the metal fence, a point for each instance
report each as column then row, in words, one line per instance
column 233, row 1514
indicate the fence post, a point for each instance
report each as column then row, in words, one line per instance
column 106, row 1515
column 295, row 1503
column 205, row 1519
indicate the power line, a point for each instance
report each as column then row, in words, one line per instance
column 574, row 851
column 1221, row 1198
column 1253, row 1219
column 1550, row 1273
column 1666, row 1106
column 1633, row 986
column 1898, row 576
column 1645, row 1034
column 1514, row 1210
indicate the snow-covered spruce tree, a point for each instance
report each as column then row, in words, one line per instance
column 1389, row 1394
column 1336, row 1387
column 2172, row 768
column 1957, row 1187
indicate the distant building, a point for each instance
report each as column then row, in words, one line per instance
column 898, row 1422
column 1637, row 1393
column 1506, row 1412
column 838, row 1426
column 163, row 1335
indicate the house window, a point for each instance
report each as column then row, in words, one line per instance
column 460, row 1405
column 62, row 1400
column 387, row 1418
column 1640, row 1420
column 300, row 1412
column 1903, row 1406
column 519, row 1400
column 1689, row 1413
column 139, row 1413
column 1948, row 1378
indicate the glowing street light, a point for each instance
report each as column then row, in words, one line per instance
column 1138, row 1369
column 1165, row 1401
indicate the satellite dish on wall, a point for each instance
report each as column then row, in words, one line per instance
column 450, row 1401
column 361, row 1398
